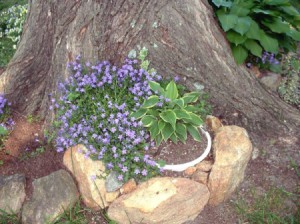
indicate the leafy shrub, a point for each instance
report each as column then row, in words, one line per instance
column 11, row 25
column 167, row 114
column 94, row 110
column 6, row 122
column 289, row 89
column 255, row 25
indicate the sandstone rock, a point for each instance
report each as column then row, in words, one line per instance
column 271, row 80
column 85, row 170
column 161, row 200
column 52, row 195
column 200, row 177
column 12, row 193
column 232, row 150
column 213, row 123
column 205, row 165
column 189, row 171
column 128, row 187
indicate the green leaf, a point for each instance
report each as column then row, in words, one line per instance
column 181, row 138
column 158, row 139
column 228, row 21
column 239, row 10
column 148, row 120
column 154, row 86
column 269, row 43
column 235, row 38
column 161, row 124
column 243, row 25
column 253, row 47
column 72, row 96
column 265, row 11
column 294, row 34
column 181, row 130
column 191, row 97
column 239, row 54
column 195, row 119
column 171, row 91
column 277, row 25
column 167, row 131
column 3, row 131
column 219, row 3
column 169, row 116
column 179, row 102
column 139, row 113
column 173, row 137
column 194, row 132
column 254, row 31
column 150, row 102
column 277, row 2
column 292, row 11
column 154, row 130
column 181, row 113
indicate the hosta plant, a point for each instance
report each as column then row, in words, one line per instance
column 169, row 115
column 254, row 26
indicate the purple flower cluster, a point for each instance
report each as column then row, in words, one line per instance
column 3, row 104
column 94, row 109
column 269, row 58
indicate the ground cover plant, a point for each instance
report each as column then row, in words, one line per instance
column 255, row 26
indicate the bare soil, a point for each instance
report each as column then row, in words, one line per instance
column 269, row 167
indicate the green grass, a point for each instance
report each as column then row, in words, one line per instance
column 8, row 3
column 268, row 208
column 6, row 218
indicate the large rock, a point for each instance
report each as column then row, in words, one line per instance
column 52, row 195
column 231, row 150
column 85, row 170
column 12, row 193
column 161, row 200
column 271, row 80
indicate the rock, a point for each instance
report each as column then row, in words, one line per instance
column 52, row 195
column 112, row 183
column 255, row 153
column 231, row 150
column 205, row 165
column 12, row 193
column 200, row 177
column 189, row 171
column 213, row 123
column 128, row 187
column 85, row 170
column 271, row 80
column 161, row 200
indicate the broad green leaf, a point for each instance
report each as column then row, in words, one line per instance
column 179, row 102
column 181, row 113
column 235, row 37
column 253, row 47
column 148, row 120
column 174, row 139
column 195, row 119
column 190, row 97
column 169, row 116
column 150, row 102
column 239, row 11
column 171, row 91
column 161, row 124
column 243, row 25
column 167, row 131
column 254, row 31
column 277, row 25
column 181, row 130
column 227, row 21
column 154, row 86
column 139, row 113
column 223, row 3
column 194, row 132
column 294, row 34
column 158, row 139
column 239, row 54
column 269, row 43
column 277, row 2
column 154, row 130
column 191, row 108
column 181, row 138
column 275, row 68
column 290, row 10
column 3, row 131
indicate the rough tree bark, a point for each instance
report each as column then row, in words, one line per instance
column 183, row 39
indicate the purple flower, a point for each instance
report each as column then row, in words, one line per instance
column 120, row 177
column 144, row 172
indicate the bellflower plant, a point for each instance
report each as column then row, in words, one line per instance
column 94, row 109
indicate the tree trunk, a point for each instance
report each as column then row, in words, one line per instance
column 183, row 38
